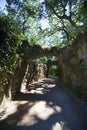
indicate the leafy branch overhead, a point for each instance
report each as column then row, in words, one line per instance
column 69, row 15
column 65, row 18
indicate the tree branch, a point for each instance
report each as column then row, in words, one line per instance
column 64, row 16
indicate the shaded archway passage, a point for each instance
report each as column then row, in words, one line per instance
column 73, row 71
column 26, row 65
column 72, row 60
column 46, row 106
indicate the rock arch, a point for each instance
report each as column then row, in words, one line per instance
column 73, row 69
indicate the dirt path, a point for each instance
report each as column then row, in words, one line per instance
column 47, row 105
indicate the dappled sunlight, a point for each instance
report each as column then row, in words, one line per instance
column 41, row 90
column 40, row 87
column 38, row 90
column 23, row 87
column 42, row 107
column 27, row 120
column 59, row 126
column 31, row 108
column 27, row 113
column 51, row 86
column 41, row 110
column 12, row 107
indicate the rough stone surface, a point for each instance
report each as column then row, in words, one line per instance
column 73, row 61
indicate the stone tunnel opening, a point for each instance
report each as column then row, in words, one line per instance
column 38, row 69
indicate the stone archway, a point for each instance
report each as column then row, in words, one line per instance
column 72, row 60
column 69, row 58
column 73, row 68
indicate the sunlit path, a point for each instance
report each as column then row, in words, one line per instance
column 45, row 106
column 43, row 61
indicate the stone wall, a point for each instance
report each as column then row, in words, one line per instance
column 5, row 90
column 25, row 74
column 73, row 61
column 73, row 66
column 41, row 71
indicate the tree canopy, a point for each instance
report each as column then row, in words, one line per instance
column 46, row 23
column 61, row 20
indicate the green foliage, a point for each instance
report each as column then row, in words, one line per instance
column 42, row 60
column 9, row 41
column 67, row 17
column 22, row 11
column 53, row 70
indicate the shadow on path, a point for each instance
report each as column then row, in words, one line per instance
column 44, row 106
